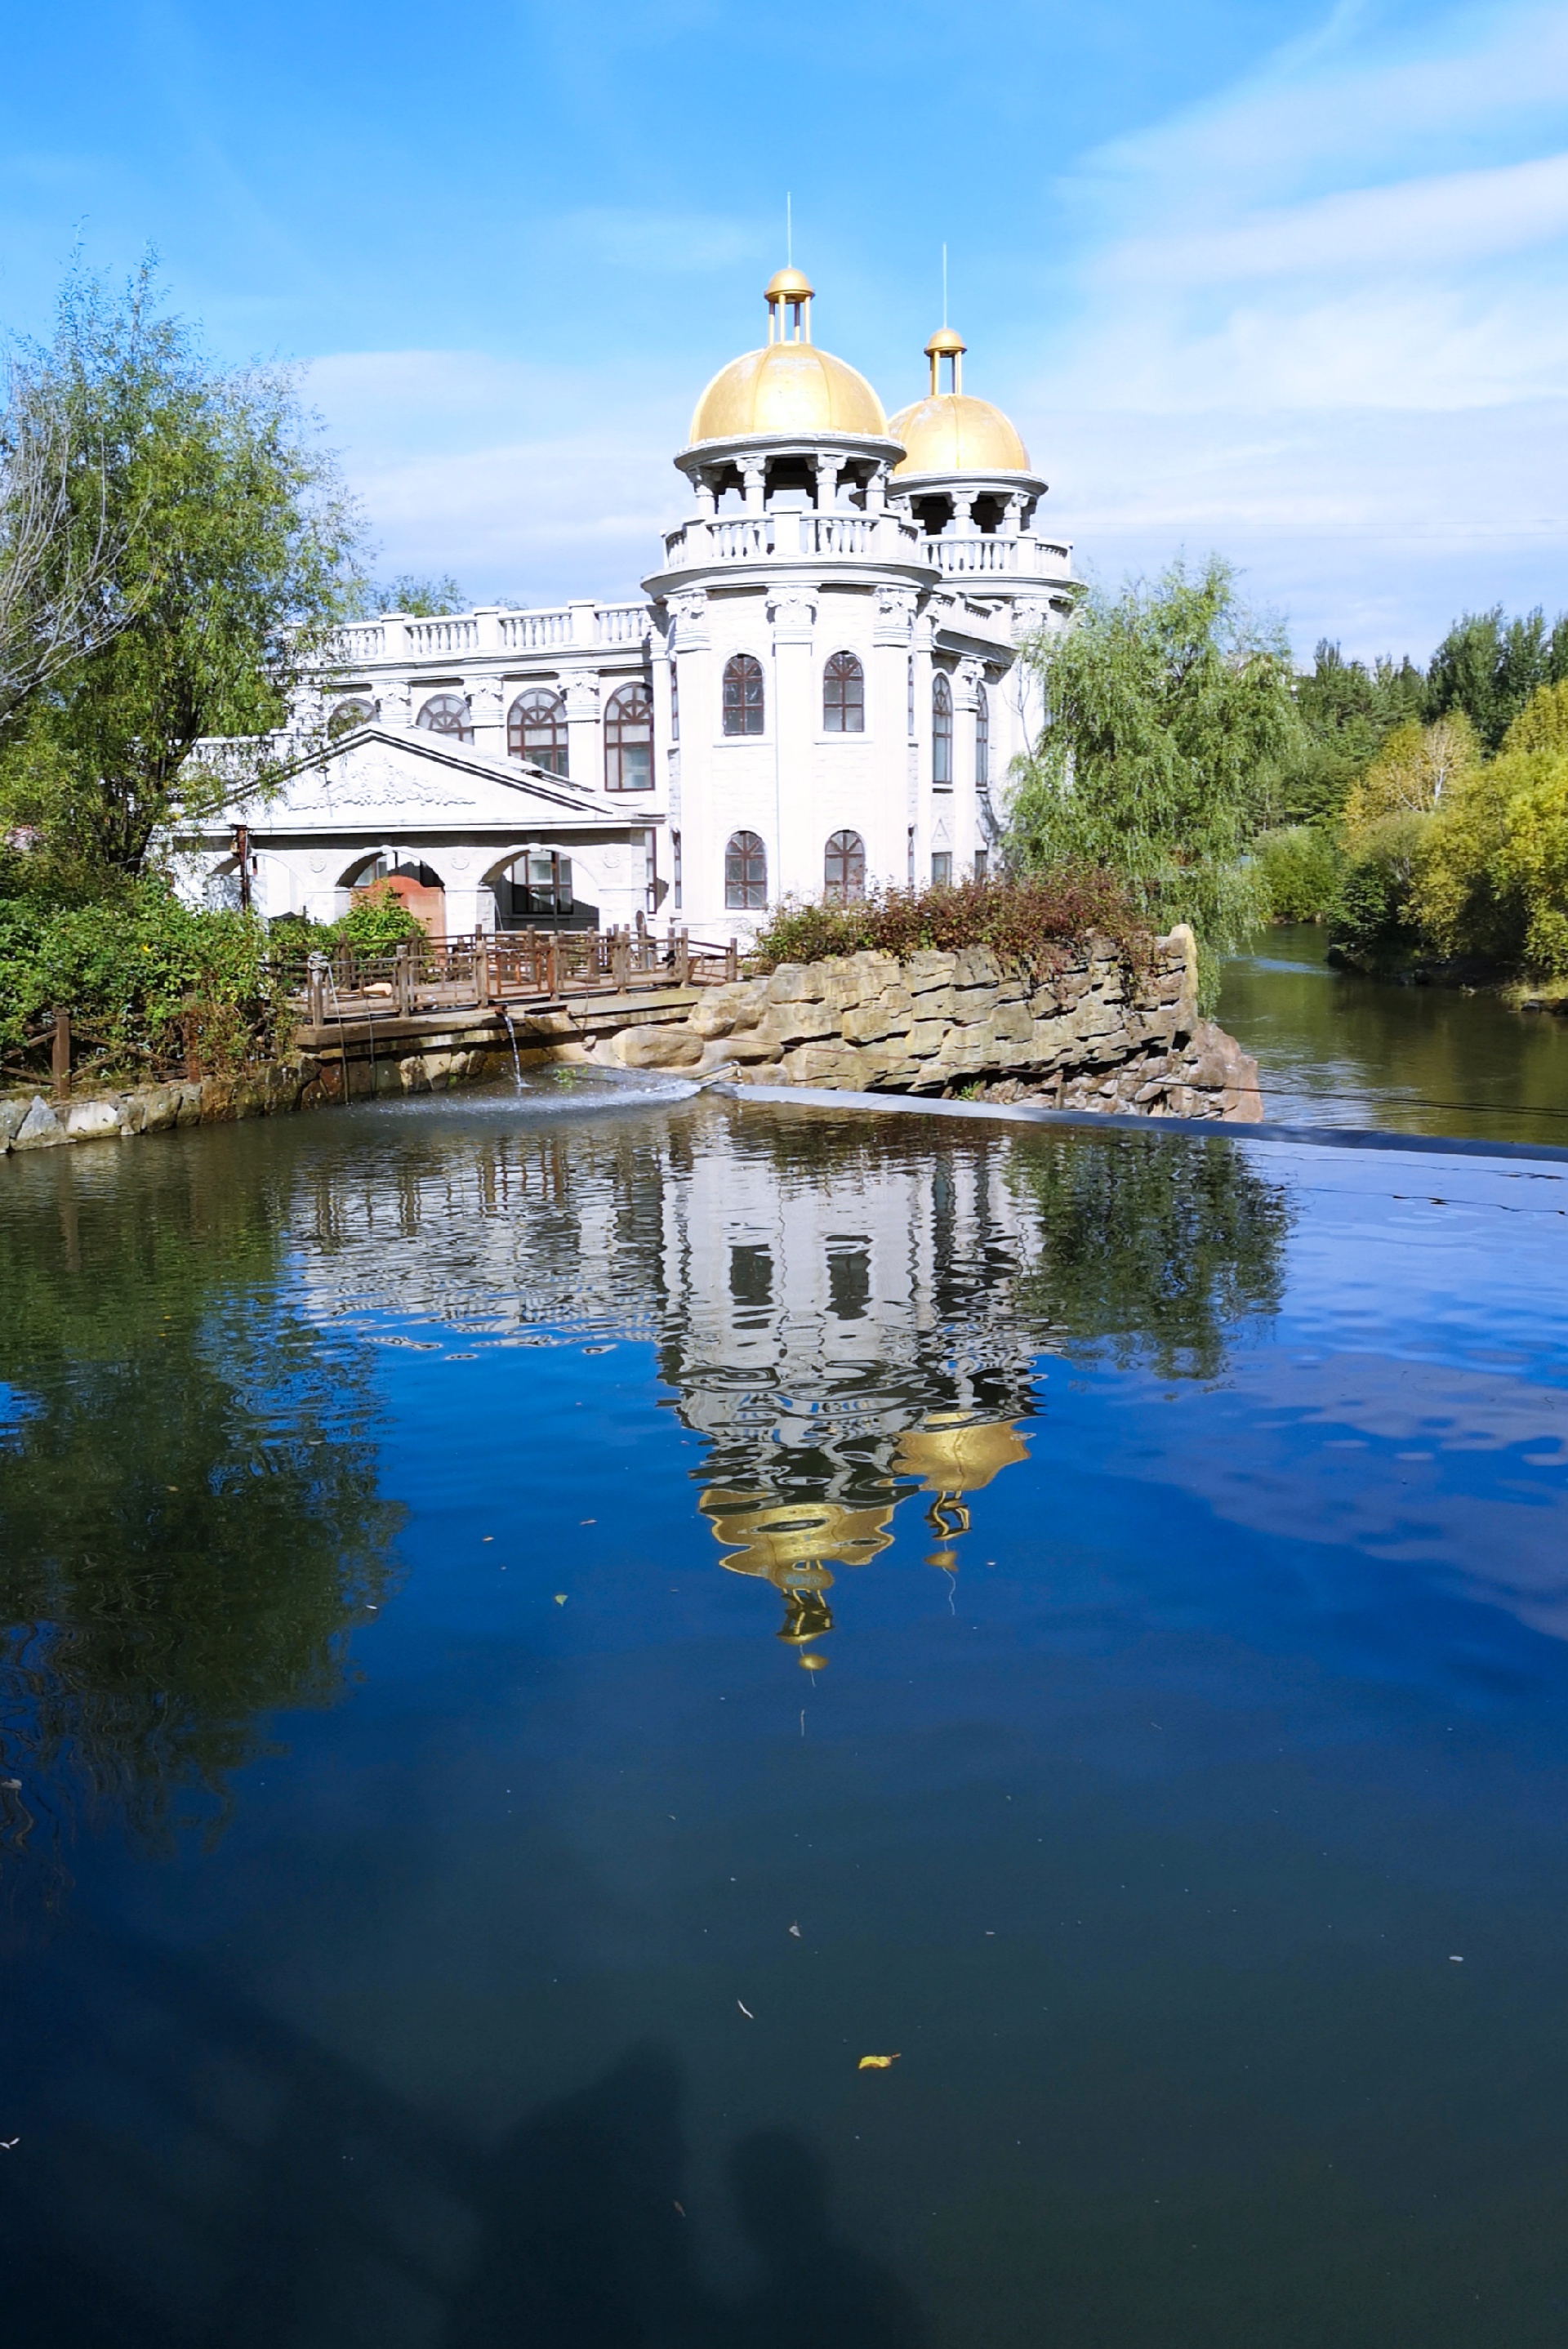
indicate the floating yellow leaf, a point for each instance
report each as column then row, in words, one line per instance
column 560, row 1599
column 875, row 2063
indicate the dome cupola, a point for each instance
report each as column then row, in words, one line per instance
column 948, row 431
column 789, row 385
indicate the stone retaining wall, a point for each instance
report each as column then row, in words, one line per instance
column 1081, row 1033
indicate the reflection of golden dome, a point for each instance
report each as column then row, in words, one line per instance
column 789, row 385
column 794, row 1536
column 954, row 1453
column 949, row 432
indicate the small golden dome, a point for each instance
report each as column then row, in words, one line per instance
column 789, row 385
column 787, row 285
column 950, row 432
column 955, row 1453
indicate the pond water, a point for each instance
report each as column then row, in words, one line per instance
column 544, row 1629
column 1336, row 1048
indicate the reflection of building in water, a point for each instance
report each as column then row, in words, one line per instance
column 848, row 1331
column 834, row 1309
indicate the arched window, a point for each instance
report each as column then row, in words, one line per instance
column 844, row 868
column 843, row 695
column 744, row 873
column 629, row 740
column 446, row 713
column 982, row 737
column 942, row 733
column 536, row 730
column 743, row 695
column 346, row 717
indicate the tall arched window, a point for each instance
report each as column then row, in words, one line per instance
column 982, row 737
column 447, row 713
column 843, row 695
column 744, row 873
column 942, row 733
column 743, row 695
column 844, row 868
column 536, row 730
column 629, row 740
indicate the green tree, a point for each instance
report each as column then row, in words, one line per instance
column 421, row 599
column 1489, row 666
column 237, row 549
column 1492, row 874
column 1346, row 710
column 1164, row 706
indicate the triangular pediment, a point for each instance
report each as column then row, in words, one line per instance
column 432, row 780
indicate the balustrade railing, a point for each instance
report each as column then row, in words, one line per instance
column 979, row 555
column 795, row 533
column 621, row 624
column 535, row 632
column 445, row 636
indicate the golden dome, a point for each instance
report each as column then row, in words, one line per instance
column 789, row 385
column 949, row 432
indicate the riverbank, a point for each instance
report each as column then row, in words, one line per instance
column 1336, row 1047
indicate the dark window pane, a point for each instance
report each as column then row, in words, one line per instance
column 942, row 734
column 843, row 695
column 536, row 730
column 743, row 695
column 629, row 740
column 844, row 868
column 744, row 873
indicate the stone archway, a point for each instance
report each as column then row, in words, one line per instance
column 416, row 885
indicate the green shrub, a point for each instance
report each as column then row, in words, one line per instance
column 377, row 925
column 1020, row 919
column 1373, row 916
column 1302, row 868
column 143, row 977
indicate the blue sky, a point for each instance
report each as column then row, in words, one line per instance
column 1282, row 280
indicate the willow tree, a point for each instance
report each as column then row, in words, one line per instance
column 236, row 551
column 1167, row 706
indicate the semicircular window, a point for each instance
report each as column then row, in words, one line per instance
column 447, row 713
column 536, row 730
column 346, row 717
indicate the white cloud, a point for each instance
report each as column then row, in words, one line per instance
column 1430, row 223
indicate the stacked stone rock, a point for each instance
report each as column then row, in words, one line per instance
column 1080, row 1031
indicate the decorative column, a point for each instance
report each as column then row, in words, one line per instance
column 702, row 482
column 963, row 513
column 1013, row 515
column 488, row 716
column 699, row 823
column 966, row 833
column 827, row 469
column 797, row 861
column 876, row 492
column 922, row 812
column 753, row 477
column 894, row 744
column 584, row 741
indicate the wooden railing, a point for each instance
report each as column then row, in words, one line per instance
column 498, row 968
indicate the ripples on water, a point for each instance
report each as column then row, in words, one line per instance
column 543, row 1629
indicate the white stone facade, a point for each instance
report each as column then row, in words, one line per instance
column 820, row 691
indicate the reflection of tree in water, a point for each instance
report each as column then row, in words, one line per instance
column 188, row 1518
column 1152, row 1250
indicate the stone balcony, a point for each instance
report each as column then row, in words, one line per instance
column 399, row 642
column 796, row 535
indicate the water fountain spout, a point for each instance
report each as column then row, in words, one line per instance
column 512, row 1034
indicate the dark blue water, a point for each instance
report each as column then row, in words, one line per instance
column 441, row 1904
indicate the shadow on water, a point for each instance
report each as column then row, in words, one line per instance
column 295, row 2203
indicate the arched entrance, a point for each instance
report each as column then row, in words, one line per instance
column 419, row 885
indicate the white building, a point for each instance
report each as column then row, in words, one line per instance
column 821, row 690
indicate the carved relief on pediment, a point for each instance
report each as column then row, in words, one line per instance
column 378, row 778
